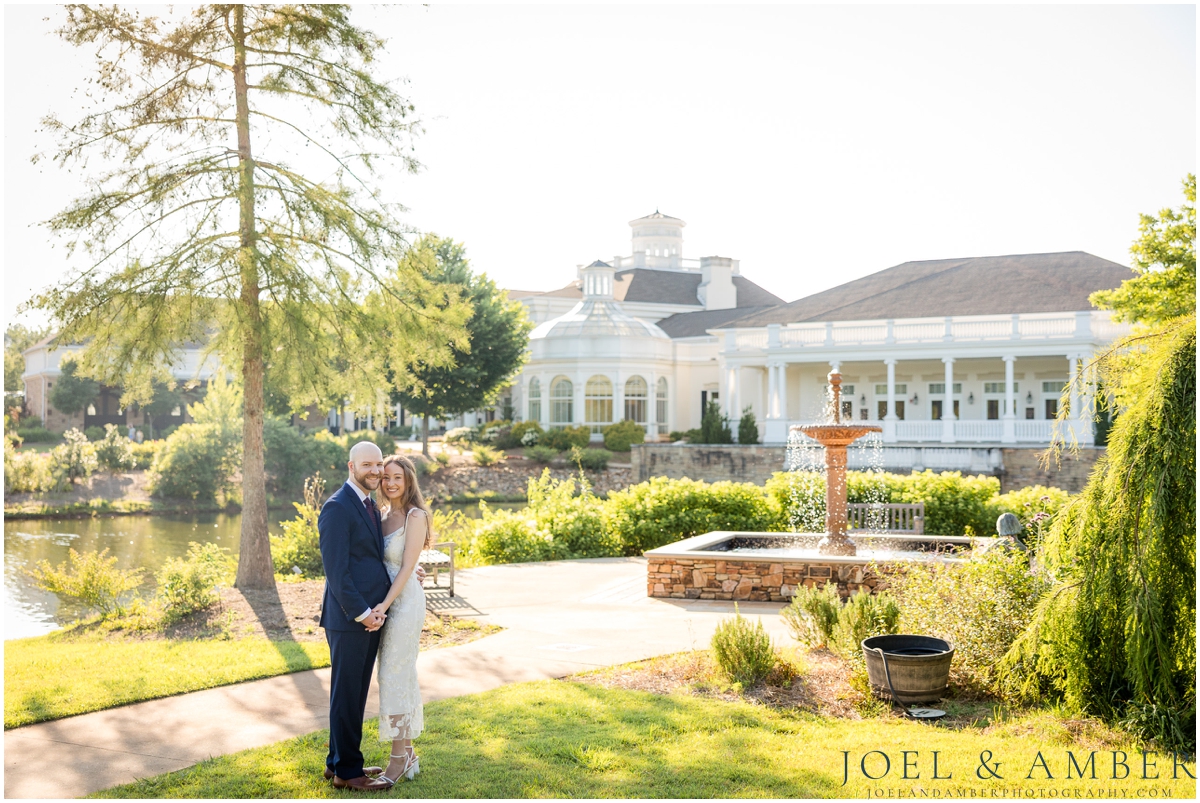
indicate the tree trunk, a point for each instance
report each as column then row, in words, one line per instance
column 425, row 436
column 255, row 569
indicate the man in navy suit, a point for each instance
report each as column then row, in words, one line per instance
column 355, row 581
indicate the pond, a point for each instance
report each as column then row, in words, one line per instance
column 136, row 541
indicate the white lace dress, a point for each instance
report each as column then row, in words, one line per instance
column 400, row 714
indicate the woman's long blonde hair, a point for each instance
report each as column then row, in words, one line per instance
column 411, row 498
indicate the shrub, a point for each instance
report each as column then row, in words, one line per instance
column 813, row 613
column 190, row 584
column 90, row 580
column 30, row 472
column 292, row 455
column 486, row 456
column 575, row 523
column 503, row 536
column 386, row 443
column 540, row 454
column 980, row 607
column 591, row 459
column 459, row 436
column 299, row 545
column 662, row 510
column 747, row 427
column 743, row 652
column 714, row 427
column 12, row 439
column 401, row 432
column 76, row 457
column 113, row 451
column 621, row 435
column 196, row 463
column 36, row 434
column 676, row 435
column 564, row 438
column 864, row 615
column 94, row 433
column 143, row 454
column 954, row 504
column 525, row 433
column 442, row 457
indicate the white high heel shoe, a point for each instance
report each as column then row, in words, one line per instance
column 411, row 768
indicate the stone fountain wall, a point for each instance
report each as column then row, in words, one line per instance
column 756, row 580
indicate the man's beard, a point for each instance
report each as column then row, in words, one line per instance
column 366, row 480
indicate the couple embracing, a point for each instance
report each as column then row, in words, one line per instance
column 374, row 606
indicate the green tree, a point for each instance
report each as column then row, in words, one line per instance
column 714, row 427
column 201, row 223
column 166, row 396
column 497, row 335
column 1165, row 256
column 17, row 338
column 747, row 427
column 71, row 392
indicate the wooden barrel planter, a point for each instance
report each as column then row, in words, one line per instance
column 919, row 667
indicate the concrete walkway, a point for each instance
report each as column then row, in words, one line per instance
column 559, row 618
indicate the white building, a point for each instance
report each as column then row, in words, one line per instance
column 653, row 336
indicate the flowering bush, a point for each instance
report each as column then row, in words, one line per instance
column 76, row 457
column 113, row 450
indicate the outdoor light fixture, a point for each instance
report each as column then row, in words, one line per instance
column 1029, row 397
column 915, row 399
column 863, row 400
column 971, row 398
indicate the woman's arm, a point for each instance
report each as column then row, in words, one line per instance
column 416, row 528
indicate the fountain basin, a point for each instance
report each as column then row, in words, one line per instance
column 919, row 667
column 768, row 567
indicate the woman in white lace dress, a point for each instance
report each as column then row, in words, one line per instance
column 406, row 528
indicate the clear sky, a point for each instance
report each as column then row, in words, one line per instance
column 816, row 144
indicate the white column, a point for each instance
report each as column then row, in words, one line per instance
column 948, row 402
column 577, row 416
column 731, row 393
column 782, row 385
column 775, row 429
column 652, row 407
column 772, row 405
column 889, row 420
column 544, row 413
column 1087, row 404
column 618, row 413
column 1009, row 433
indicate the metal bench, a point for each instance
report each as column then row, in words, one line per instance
column 436, row 561
column 892, row 518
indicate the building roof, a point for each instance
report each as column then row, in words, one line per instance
column 1059, row 282
column 697, row 324
column 596, row 317
column 657, row 216
column 670, row 287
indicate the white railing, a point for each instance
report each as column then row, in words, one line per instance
column 919, row 430
column 1035, row 431
column 971, row 328
column 978, row 431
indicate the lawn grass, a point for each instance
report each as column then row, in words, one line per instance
column 559, row 739
column 54, row 676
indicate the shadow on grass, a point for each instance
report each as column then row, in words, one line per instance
column 545, row 739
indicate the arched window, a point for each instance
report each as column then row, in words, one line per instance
column 661, row 405
column 635, row 399
column 598, row 402
column 535, row 400
column 562, row 396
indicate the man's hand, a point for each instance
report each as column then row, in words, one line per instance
column 374, row 621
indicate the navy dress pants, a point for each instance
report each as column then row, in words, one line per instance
column 352, row 659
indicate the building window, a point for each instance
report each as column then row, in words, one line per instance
column 661, row 405
column 1051, row 409
column 939, row 388
column 881, row 407
column 91, row 410
column 636, row 393
column 598, row 402
column 881, row 390
column 993, row 412
column 176, row 411
column 1056, row 386
column 935, row 409
column 996, row 387
column 535, row 399
column 848, row 410
column 562, row 399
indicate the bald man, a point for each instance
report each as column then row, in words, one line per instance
column 355, row 581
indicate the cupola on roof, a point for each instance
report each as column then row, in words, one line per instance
column 599, row 314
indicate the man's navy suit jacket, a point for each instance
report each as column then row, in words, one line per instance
column 352, row 551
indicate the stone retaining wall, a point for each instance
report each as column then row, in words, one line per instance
column 763, row 581
column 1023, row 467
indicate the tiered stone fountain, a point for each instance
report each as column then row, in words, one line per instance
column 835, row 437
column 770, row 566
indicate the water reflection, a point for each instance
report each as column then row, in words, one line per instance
column 136, row 541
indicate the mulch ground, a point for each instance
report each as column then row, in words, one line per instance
column 290, row 613
column 819, row 684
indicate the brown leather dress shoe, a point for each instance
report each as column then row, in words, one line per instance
column 366, row 771
column 362, row 784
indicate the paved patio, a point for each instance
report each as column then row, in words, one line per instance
column 559, row 618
